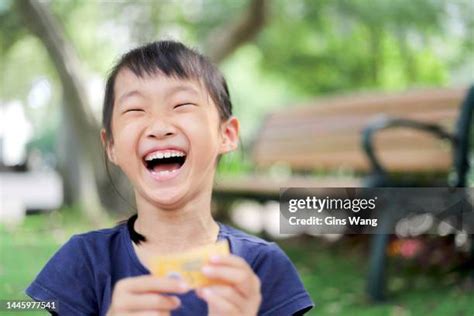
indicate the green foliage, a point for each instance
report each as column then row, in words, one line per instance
column 10, row 24
column 234, row 163
column 331, row 46
column 253, row 91
column 306, row 48
column 25, row 61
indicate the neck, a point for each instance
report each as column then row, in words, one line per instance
column 186, row 227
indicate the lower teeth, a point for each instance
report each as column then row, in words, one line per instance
column 165, row 172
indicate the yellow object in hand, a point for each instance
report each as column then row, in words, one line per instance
column 188, row 265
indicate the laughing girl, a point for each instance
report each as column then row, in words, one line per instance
column 167, row 118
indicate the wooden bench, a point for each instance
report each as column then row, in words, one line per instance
column 371, row 136
column 325, row 137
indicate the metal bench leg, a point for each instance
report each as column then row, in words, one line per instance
column 376, row 278
column 378, row 257
column 471, row 260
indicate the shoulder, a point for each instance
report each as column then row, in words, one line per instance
column 78, row 245
column 83, row 251
column 105, row 235
column 282, row 289
column 70, row 275
column 262, row 255
column 251, row 248
column 241, row 241
column 99, row 237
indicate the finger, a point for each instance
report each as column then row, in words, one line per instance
column 229, row 293
column 150, row 302
column 244, row 280
column 218, row 304
column 150, row 283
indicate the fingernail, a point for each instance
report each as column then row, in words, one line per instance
column 207, row 270
column 215, row 258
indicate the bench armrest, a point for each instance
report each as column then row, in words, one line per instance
column 382, row 123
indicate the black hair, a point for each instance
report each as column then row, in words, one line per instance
column 170, row 59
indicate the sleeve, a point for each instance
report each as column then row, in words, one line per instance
column 283, row 292
column 67, row 278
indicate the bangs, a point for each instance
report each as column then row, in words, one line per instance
column 164, row 58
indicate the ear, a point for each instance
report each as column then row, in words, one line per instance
column 108, row 146
column 230, row 135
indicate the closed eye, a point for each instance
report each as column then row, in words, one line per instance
column 182, row 104
column 133, row 110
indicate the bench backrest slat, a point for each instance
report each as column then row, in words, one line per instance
column 326, row 134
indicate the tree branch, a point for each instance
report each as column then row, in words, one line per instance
column 223, row 41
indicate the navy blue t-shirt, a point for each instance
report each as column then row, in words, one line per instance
column 82, row 274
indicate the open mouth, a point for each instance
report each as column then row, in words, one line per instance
column 165, row 162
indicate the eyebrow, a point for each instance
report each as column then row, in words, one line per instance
column 183, row 87
column 128, row 95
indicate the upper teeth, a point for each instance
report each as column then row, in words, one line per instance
column 161, row 155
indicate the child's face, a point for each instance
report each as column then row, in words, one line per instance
column 167, row 135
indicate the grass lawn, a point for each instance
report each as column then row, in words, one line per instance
column 333, row 274
column 335, row 277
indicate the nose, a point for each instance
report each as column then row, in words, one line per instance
column 160, row 128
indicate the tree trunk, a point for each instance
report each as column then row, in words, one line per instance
column 375, row 46
column 81, row 157
column 409, row 62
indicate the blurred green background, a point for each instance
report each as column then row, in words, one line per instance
column 274, row 54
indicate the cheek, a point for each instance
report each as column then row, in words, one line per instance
column 125, row 140
column 203, row 133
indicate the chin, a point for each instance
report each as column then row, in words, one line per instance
column 167, row 198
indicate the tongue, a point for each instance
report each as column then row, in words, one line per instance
column 166, row 167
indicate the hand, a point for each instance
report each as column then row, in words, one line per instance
column 143, row 295
column 240, row 292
